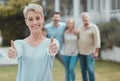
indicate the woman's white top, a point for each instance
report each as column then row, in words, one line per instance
column 70, row 47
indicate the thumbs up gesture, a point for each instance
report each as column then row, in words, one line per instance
column 53, row 48
column 12, row 52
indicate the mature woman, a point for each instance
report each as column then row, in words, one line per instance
column 35, row 53
column 70, row 50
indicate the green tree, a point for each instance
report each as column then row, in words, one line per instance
column 12, row 21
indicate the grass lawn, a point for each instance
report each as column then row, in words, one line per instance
column 105, row 71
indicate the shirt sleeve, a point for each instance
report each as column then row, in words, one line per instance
column 97, row 37
column 19, row 48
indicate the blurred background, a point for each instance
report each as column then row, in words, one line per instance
column 104, row 13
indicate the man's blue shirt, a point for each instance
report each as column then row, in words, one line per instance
column 56, row 32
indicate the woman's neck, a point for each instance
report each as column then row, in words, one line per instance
column 35, row 36
column 70, row 30
column 35, row 39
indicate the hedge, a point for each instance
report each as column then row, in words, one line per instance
column 110, row 36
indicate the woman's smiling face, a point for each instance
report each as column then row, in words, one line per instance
column 34, row 21
column 70, row 24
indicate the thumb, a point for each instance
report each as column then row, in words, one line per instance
column 12, row 44
column 51, row 39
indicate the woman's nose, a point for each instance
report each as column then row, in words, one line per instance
column 35, row 21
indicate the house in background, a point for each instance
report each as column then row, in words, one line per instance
column 103, row 10
column 99, row 10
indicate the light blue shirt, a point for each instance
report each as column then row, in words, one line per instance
column 34, row 63
column 56, row 32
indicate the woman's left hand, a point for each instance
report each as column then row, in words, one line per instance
column 53, row 48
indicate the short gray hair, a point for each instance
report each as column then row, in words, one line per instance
column 34, row 7
column 85, row 14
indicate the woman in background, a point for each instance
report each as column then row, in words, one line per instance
column 70, row 50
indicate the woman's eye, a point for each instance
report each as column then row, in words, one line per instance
column 37, row 18
column 30, row 19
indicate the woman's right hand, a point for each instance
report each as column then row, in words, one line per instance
column 76, row 32
column 12, row 52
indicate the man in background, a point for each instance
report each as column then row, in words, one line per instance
column 89, row 44
column 56, row 29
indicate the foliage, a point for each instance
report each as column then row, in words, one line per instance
column 12, row 27
column 110, row 34
column 12, row 21
column 13, row 7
